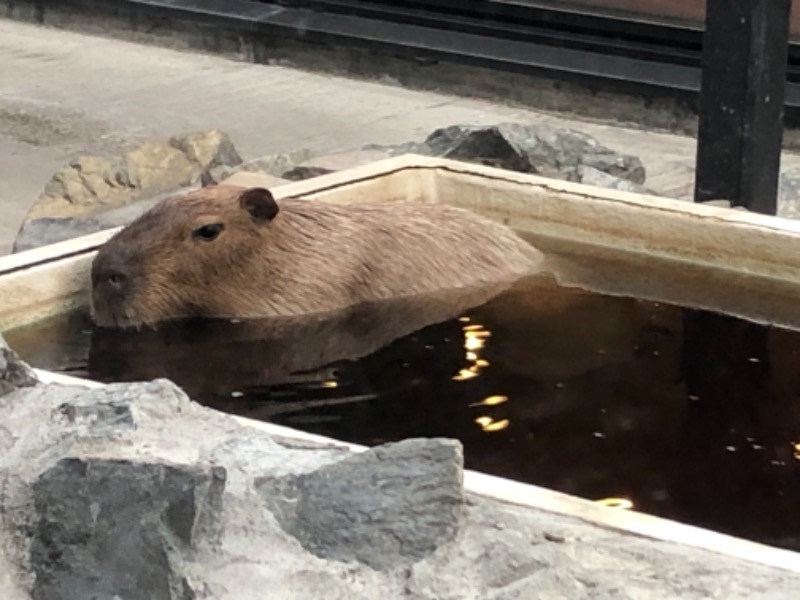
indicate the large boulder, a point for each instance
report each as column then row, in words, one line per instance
column 50, row 230
column 557, row 153
column 392, row 505
column 91, row 184
column 119, row 528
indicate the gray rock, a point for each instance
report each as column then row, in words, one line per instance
column 303, row 167
column 50, row 230
column 391, row 505
column 789, row 193
column 123, row 215
column 107, row 528
column 527, row 148
column 97, row 415
column 405, row 148
column 14, row 372
column 208, row 148
column 302, row 172
column 347, row 160
column 273, row 164
column 595, row 177
column 485, row 145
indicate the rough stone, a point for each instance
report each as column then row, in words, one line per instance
column 273, row 164
column 156, row 166
column 50, row 230
column 91, row 184
column 391, row 505
column 81, row 186
column 303, row 172
column 208, row 148
column 103, row 193
column 537, row 149
column 789, row 193
column 322, row 165
column 93, row 193
column 595, row 177
column 347, row 160
column 102, row 499
column 14, row 372
column 110, row 528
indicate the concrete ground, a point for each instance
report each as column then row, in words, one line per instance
column 63, row 94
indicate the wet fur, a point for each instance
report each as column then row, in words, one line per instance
column 313, row 256
column 272, row 350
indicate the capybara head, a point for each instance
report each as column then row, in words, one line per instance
column 166, row 263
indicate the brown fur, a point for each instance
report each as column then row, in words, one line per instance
column 310, row 257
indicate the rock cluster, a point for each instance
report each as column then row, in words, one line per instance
column 92, row 193
column 557, row 153
column 272, row 164
column 92, row 183
column 133, row 491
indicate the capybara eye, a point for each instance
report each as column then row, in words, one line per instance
column 208, row 232
column 116, row 280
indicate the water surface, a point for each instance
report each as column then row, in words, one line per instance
column 689, row 414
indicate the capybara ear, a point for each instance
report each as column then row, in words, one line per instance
column 206, row 179
column 259, row 203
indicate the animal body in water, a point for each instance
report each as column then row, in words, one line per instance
column 225, row 251
column 255, row 353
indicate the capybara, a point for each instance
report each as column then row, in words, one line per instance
column 226, row 251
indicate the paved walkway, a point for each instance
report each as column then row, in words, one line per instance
column 63, row 94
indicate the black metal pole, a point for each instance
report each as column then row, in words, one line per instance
column 745, row 49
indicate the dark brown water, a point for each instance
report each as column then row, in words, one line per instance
column 689, row 414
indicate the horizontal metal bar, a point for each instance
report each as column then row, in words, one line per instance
column 649, row 58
